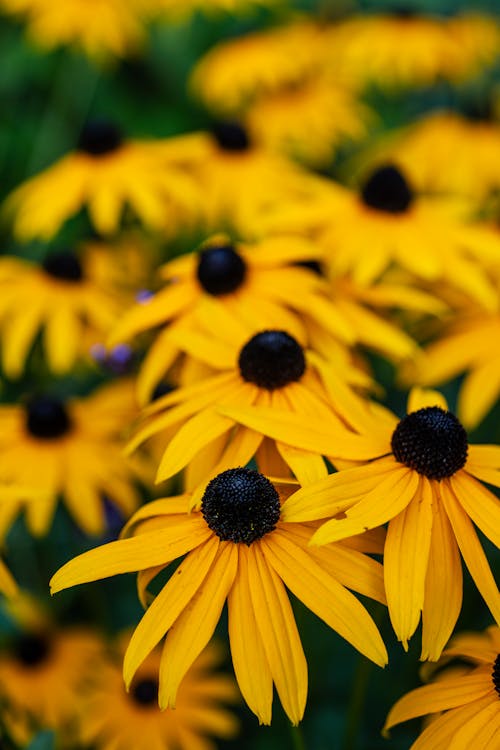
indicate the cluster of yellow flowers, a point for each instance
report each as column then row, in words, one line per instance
column 238, row 377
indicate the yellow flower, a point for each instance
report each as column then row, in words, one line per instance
column 465, row 346
column 467, row 704
column 102, row 29
column 404, row 49
column 105, row 173
column 423, row 481
column 363, row 232
column 71, row 449
column 70, row 297
column 269, row 369
column 235, row 287
column 239, row 550
column 112, row 717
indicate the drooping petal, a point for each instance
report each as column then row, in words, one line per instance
column 324, row 595
column 479, row 504
column 249, row 658
column 168, row 605
column 278, row 633
column 406, row 556
column 194, row 627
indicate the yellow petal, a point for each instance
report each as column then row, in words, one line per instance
column 479, row 393
column 279, row 635
column 421, row 398
column 440, row 733
column 324, row 595
column 249, row 659
column 480, row 730
column 406, row 556
column 168, row 605
column 377, row 507
column 479, row 503
column 194, row 627
column 7, row 584
column 307, row 467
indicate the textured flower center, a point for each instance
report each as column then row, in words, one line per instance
column 240, row 505
column 31, row 650
column 231, row 136
column 432, row 441
column 65, row 266
column 221, row 270
column 272, row 359
column 495, row 675
column 145, row 692
column 99, row 137
column 47, row 418
column 387, row 190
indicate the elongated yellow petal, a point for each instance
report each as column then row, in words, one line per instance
column 479, row 392
column 440, row 696
column 380, row 505
column 62, row 338
column 8, row 586
column 168, row 506
column 440, row 733
column 168, row 605
column 480, row 729
column 443, row 583
column 278, row 633
column 18, row 336
column 194, row 627
column 479, row 504
column 249, row 658
column 130, row 555
column 421, row 398
column 307, row 467
column 324, row 595
column 471, row 550
column 406, row 556
column 336, row 492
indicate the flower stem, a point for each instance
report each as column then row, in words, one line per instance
column 297, row 738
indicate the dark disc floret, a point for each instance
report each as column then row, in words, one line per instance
column 387, row 190
column 495, row 675
column 432, row 441
column 47, row 418
column 221, row 269
column 240, row 506
column 272, row 359
column 31, row 649
column 145, row 691
column 231, row 136
column 99, row 137
column 63, row 265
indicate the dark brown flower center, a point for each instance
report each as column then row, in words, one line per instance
column 387, row 190
column 145, row 691
column 64, row 266
column 221, row 270
column 99, row 137
column 240, row 506
column 31, row 649
column 272, row 359
column 231, row 136
column 432, row 441
column 495, row 675
column 47, row 418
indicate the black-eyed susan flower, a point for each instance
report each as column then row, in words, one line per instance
column 102, row 29
column 424, row 482
column 239, row 550
column 268, row 369
column 405, row 49
column 112, row 717
column 230, row 286
column 69, row 298
column 465, row 346
column 43, row 668
column 363, row 232
column 70, row 449
column 105, row 173
column 464, row 709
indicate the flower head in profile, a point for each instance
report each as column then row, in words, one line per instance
column 106, row 173
column 112, row 717
column 239, row 550
column 102, row 29
column 269, row 369
column 69, row 448
column 234, row 287
column 463, row 706
column 424, row 482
